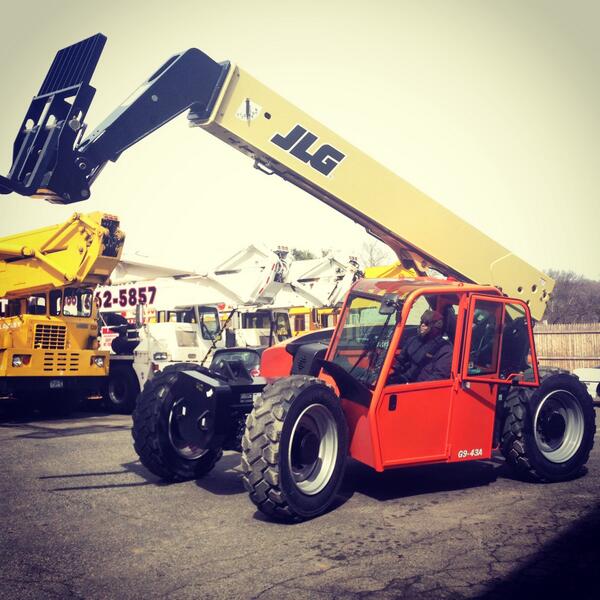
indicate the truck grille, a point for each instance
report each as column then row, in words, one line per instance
column 50, row 337
column 61, row 361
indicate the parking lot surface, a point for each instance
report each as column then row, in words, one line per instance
column 81, row 518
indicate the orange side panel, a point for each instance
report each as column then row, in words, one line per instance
column 276, row 362
column 472, row 422
column 361, row 446
column 416, row 430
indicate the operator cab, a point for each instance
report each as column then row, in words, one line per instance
column 67, row 302
column 206, row 317
column 487, row 340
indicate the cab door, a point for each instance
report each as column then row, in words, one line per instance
column 497, row 349
column 413, row 418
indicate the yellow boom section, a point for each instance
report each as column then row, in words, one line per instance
column 284, row 140
column 83, row 250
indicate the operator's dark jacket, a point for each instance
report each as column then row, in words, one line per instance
column 424, row 360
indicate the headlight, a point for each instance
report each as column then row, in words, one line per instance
column 98, row 361
column 160, row 356
column 17, row 360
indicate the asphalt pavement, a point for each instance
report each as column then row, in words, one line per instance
column 81, row 518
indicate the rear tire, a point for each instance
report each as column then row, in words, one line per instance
column 548, row 432
column 294, row 448
column 122, row 389
column 155, row 435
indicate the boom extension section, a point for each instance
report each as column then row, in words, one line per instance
column 51, row 161
column 83, row 250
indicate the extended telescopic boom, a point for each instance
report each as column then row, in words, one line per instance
column 52, row 159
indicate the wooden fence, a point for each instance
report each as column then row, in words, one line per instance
column 569, row 346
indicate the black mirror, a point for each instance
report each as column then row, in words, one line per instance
column 390, row 304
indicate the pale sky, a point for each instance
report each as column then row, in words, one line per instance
column 491, row 108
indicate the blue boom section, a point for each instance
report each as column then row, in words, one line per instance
column 51, row 158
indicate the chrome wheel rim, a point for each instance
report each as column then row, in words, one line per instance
column 313, row 449
column 558, row 426
column 182, row 447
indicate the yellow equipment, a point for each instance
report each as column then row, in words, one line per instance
column 48, row 327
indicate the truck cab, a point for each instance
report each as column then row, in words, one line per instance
column 49, row 341
column 395, row 421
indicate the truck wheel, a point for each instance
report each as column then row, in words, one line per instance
column 549, row 431
column 294, row 448
column 122, row 390
column 157, row 438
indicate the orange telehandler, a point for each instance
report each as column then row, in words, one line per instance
column 342, row 397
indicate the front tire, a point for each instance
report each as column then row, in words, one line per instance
column 549, row 432
column 157, row 438
column 294, row 448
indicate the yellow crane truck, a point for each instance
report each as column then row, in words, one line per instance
column 344, row 397
column 49, row 354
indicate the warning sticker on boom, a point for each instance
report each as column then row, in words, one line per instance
column 248, row 110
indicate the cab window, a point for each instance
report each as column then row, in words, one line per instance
column 485, row 338
column 209, row 322
column 282, row 327
column 77, row 303
column 36, row 305
column 55, row 304
column 516, row 345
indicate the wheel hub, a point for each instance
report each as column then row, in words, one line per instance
column 559, row 426
column 191, row 428
column 313, row 449
column 552, row 429
column 309, row 448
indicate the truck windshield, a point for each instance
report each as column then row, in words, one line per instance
column 77, row 302
column 209, row 322
column 364, row 340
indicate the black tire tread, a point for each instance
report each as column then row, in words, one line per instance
column 261, row 441
column 513, row 443
column 146, row 419
column 128, row 405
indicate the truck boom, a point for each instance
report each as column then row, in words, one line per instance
column 84, row 249
column 50, row 159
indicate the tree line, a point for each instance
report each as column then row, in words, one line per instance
column 575, row 299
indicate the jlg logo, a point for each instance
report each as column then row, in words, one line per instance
column 298, row 141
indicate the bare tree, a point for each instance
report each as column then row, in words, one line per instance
column 575, row 299
column 375, row 253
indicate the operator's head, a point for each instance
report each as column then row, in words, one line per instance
column 432, row 324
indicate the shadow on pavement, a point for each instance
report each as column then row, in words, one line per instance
column 84, row 421
column 414, row 481
column 565, row 568
column 38, row 431
column 128, row 469
column 225, row 479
